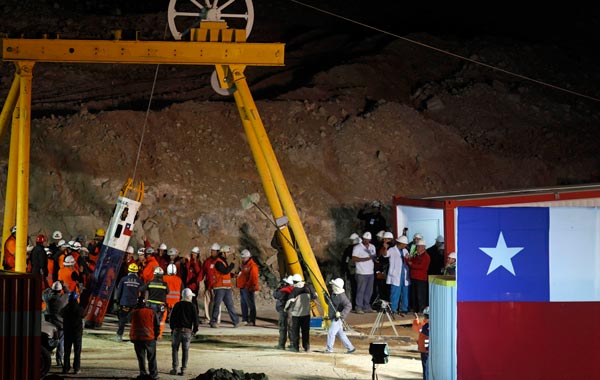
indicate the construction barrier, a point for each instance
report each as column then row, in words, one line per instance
column 20, row 325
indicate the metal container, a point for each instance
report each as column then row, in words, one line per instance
column 442, row 327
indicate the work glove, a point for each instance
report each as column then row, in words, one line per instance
column 338, row 315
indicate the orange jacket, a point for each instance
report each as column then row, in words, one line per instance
column 69, row 277
column 248, row 277
column 149, row 265
column 418, row 326
column 222, row 280
column 144, row 325
column 10, row 247
column 174, row 295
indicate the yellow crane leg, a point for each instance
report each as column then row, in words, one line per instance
column 11, row 182
column 9, row 105
column 247, row 104
column 25, row 69
column 269, row 187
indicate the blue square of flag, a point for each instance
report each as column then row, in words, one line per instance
column 503, row 254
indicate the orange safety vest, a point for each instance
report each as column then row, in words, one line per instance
column 10, row 247
column 142, row 324
column 49, row 277
column 174, row 295
column 222, row 280
column 417, row 326
column 66, row 276
column 248, row 277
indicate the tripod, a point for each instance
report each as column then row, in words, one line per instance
column 387, row 310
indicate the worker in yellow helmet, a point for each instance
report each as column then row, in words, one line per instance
column 127, row 295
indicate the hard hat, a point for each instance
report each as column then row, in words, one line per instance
column 417, row 236
column 380, row 234
column 61, row 243
column 288, row 280
column 196, row 250
column 40, row 239
column 388, row 235
column 337, row 282
column 426, row 310
column 162, row 246
column 133, row 268
column 100, row 232
column 215, row 247
column 57, row 235
column 296, row 278
column 245, row 254
column 354, row 236
column 141, row 251
column 57, row 286
column 159, row 270
column 187, row 293
column 225, row 249
column 172, row 252
column 69, row 260
column 171, row 269
column 358, row 240
column 422, row 242
column 73, row 296
column 452, row 255
column 130, row 249
column 402, row 239
column 439, row 239
column 70, row 243
column 367, row 236
column 376, row 204
column 149, row 251
column 13, row 229
column 76, row 246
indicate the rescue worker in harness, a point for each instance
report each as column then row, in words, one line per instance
column 155, row 293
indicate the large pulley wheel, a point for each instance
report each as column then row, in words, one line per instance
column 186, row 14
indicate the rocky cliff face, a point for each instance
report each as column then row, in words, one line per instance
column 352, row 117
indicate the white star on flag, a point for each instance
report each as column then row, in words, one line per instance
column 501, row 255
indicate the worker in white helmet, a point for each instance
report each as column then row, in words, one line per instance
column 338, row 311
column 155, row 293
column 190, row 270
column 223, row 288
column 175, row 287
column 363, row 255
column 247, row 282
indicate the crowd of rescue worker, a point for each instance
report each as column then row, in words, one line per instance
column 163, row 285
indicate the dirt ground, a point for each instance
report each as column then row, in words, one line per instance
column 252, row 350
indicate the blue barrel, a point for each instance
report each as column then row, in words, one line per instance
column 442, row 327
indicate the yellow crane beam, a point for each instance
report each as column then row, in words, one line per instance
column 143, row 52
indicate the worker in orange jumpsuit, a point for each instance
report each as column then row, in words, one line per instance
column 423, row 341
column 150, row 264
column 247, row 282
column 175, row 288
column 69, row 276
column 143, row 334
column 10, row 247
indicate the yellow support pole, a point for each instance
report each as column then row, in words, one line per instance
column 9, row 104
column 11, row 182
column 270, row 191
column 26, row 73
column 247, row 106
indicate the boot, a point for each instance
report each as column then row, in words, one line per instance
column 182, row 372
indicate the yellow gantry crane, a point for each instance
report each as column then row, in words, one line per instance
column 211, row 43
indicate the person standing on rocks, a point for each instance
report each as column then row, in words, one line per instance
column 184, row 325
column 223, row 288
column 247, row 282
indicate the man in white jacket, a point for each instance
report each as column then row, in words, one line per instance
column 398, row 276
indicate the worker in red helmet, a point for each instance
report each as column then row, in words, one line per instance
column 39, row 259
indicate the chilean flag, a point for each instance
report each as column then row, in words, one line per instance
column 528, row 284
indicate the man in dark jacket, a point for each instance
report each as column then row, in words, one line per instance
column 155, row 293
column 127, row 295
column 281, row 295
column 56, row 300
column 73, row 329
column 144, row 331
column 184, row 324
column 39, row 258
